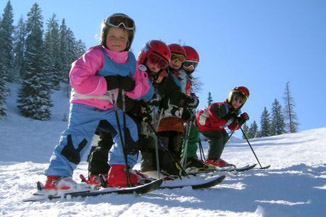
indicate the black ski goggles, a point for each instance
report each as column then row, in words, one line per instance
column 121, row 20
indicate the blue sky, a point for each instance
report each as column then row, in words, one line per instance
column 256, row 43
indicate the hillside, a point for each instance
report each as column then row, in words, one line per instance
column 295, row 185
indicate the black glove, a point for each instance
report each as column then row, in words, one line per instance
column 112, row 81
column 186, row 114
column 127, row 83
column 192, row 102
column 145, row 111
column 141, row 111
column 243, row 118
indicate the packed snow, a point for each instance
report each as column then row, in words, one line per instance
column 295, row 184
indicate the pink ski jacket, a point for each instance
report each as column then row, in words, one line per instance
column 89, row 88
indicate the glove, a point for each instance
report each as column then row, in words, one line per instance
column 127, row 83
column 186, row 114
column 192, row 102
column 144, row 111
column 146, row 117
column 112, row 82
column 243, row 118
column 141, row 111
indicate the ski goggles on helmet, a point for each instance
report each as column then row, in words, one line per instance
column 156, row 59
column 121, row 20
column 190, row 65
column 181, row 58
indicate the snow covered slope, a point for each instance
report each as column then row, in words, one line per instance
column 295, row 185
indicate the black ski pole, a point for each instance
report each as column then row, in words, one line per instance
column 201, row 150
column 125, row 133
column 229, row 137
column 266, row 167
column 183, row 161
column 121, row 139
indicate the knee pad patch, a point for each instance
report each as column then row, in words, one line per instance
column 72, row 154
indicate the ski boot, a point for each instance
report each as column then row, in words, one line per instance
column 218, row 163
column 117, row 177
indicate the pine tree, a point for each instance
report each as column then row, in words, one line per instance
column 253, row 130
column 34, row 95
column 289, row 115
column 52, row 54
column 6, row 46
column 277, row 125
column 3, row 82
column 265, row 123
column 209, row 99
column 80, row 48
column 71, row 49
column 63, row 49
column 3, row 93
column 246, row 129
column 19, row 48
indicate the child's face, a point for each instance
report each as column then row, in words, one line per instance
column 176, row 61
column 153, row 67
column 237, row 101
column 117, row 39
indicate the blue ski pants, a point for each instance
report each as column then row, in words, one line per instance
column 75, row 141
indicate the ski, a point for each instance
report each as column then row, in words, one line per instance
column 223, row 169
column 265, row 167
column 236, row 169
column 141, row 189
column 194, row 182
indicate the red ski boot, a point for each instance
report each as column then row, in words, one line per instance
column 217, row 163
column 59, row 183
column 117, row 177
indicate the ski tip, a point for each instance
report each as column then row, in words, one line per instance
column 211, row 183
column 39, row 185
column 266, row 167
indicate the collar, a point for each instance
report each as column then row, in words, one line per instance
column 118, row 57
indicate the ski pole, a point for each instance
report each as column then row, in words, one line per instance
column 121, row 138
column 125, row 133
column 201, row 150
column 157, row 157
column 229, row 137
column 266, row 167
column 146, row 121
column 183, row 161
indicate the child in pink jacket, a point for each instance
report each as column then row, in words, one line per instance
column 102, row 76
